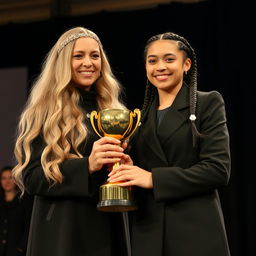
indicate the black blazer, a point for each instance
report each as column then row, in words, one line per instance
column 65, row 220
column 182, row 214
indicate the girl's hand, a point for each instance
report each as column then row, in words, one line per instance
column 106, row 150
column 129, row 175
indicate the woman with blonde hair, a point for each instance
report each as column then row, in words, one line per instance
column 60, row 160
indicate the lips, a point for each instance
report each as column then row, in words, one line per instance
column 162, row 77
column 86, row 72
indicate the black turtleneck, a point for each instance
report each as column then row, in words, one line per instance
column 88, row 100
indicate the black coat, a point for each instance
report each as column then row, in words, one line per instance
column 65, row 221
column 182, row 214
column 14, row 225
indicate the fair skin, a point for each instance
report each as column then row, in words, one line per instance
column 86, row 62
column 86, row 68
column 8, row 185
column 106, row 151
column 165, row 66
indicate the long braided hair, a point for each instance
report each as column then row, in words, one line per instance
column 190, row 78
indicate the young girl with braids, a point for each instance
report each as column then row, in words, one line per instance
column 60, row 160
column 181, row 157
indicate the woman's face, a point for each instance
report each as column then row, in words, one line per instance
column 165, row 65
column 7, row 181
column 86, row 62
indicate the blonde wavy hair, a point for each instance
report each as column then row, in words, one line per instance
column 53, row 111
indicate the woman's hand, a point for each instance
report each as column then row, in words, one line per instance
column 107, row 151
column 126, row 159
column 129, row 175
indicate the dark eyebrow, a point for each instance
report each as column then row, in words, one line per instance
column 167, row 54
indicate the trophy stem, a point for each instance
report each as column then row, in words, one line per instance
column 115, row 166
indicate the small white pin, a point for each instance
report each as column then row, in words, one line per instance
column 192, row 117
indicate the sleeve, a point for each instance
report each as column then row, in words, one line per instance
column 211, row 170
column 76, row 178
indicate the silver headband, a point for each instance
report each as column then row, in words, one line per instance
column 76, row 36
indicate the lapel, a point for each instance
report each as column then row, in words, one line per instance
column 172, row 121
column 174, row 118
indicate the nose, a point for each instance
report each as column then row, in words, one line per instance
column 87, row 62
column 161, row 66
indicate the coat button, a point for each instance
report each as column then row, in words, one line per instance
column 3, row 241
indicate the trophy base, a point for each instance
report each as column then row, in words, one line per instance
column 116, row 205
column 114, row 198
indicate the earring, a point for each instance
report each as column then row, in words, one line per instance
column 186, row 72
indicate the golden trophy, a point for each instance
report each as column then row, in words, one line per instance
column 119, row 124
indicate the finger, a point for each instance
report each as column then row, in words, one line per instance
column 110, row 140
column 119, row 179
column 126, row 183
column 112, row 154
column 110, row 147
column 121, row 168
column 126, row 159
column 114, row 171
column 124, row 145
column 120, row 176
column 109, row 160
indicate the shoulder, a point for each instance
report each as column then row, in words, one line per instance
column 210, row 104
column 209, row 98
column 209, row 95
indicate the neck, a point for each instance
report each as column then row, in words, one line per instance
column 9, row 195
column 166, row 98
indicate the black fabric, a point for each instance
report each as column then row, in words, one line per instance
column 160, row 115
column 65, row 220
column 14, row 225
column 182, row 214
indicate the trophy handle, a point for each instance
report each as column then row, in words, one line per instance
column 136, row 112
column 94, row 115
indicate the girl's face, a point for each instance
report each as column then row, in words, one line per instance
column 86, row 62
column 7, row 181
column 165, row 65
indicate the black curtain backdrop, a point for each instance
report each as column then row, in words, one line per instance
column 219, row 31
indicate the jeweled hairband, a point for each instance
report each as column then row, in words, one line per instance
column 76, row 36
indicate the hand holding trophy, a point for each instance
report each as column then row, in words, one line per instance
column 119, row 124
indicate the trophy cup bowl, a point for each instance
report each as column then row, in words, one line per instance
column 119, row 124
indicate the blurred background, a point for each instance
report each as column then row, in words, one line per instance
column 220, row 31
